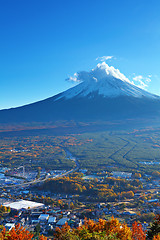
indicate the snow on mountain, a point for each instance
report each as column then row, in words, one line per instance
column 103, row 94
column 106, row 81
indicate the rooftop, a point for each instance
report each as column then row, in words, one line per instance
column 23, row 204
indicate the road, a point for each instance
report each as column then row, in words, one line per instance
column 35, row 181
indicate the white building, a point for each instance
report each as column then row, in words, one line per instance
column 23, row 204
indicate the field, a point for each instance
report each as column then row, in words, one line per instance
column 137, row 150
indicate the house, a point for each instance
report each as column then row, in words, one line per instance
column 62, row 221
column 52, row 220
column 9, row 226
column 153, row 200
column 34, row 221
column 43, row 217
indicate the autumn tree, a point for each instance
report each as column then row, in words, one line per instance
column 101, row 230
column 137, row 175
column 137, row 232
column 156, row 237
column 18, row 233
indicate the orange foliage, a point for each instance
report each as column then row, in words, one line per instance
column 157, row 237
column 90, row 227
column 137, row 232
column 18, row 233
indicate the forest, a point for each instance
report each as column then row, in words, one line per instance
column 110, row 189
column 132, row 151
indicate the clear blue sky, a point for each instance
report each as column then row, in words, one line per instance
column 42, row 42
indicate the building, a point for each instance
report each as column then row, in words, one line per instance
column 122, row 174
column 52, row 220
column 62, row 221
column 43, row 217
column 9, row 226
column 23, row 205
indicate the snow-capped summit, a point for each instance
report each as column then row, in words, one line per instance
column 105, row 81
column 104, row 93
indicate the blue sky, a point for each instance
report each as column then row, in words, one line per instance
column 44, row 42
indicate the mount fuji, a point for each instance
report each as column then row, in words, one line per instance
column 104, row 94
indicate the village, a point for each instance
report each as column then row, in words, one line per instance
column 41, row 211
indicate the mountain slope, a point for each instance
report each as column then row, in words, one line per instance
column 103, row 94
column 107, row 82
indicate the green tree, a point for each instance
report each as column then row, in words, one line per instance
column 37, row 230
column 155, row 228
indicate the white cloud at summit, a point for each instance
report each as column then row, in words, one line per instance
column 103, row 70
